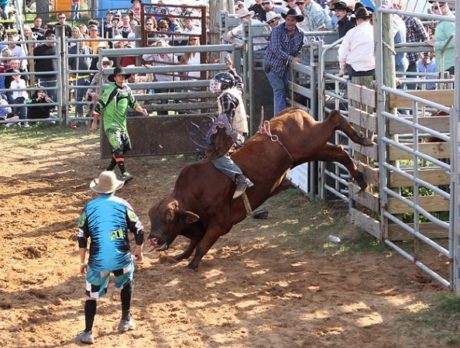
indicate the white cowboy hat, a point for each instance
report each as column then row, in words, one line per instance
column 244, row 12
column 272, row 15
column 105, row 60
column 106, row 183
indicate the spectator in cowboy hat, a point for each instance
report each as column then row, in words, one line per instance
column 344, row 23
column 113, row 105
column 258, row 10
column 235, row 35
column 356, row 53
column 286, row 41
column 269, row 6
column 105, row 221
column 273, row 19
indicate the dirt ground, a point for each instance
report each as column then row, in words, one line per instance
column 268, row 283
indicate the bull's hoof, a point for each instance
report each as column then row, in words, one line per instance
column 181, row 257
column 362, row 185
column 193, row 267
column 361, row 182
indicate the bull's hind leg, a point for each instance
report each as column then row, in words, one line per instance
column 341, row 123
column 336, row 153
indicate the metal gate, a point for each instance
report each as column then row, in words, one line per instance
column 180, row 108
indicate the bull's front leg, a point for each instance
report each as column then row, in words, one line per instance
column 187, row 252
column 208, row 240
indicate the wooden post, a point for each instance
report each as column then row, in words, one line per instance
column 388, row 57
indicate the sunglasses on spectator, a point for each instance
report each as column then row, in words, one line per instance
column 299, row 3
column 266, row 3
column 61, row 17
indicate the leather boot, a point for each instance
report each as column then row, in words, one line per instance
column 242, row 183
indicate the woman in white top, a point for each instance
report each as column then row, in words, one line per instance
column 191, row 58
column 162, row 59
column 18, row 96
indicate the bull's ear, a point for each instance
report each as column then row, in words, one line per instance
column 190, row 217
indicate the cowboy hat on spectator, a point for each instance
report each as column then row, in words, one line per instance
column 271, row 15
column 293, row 13
column 103, row 61
column 244, row 12
column 340, row 5
column 106, row 183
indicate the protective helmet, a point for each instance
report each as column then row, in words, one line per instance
column 221, row 82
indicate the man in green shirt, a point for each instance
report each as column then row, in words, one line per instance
column 113, row 104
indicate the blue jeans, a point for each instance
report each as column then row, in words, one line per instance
column 80, row 93
column 20, row 111
column 75, row 11
column 226, row 165
column 280, row 90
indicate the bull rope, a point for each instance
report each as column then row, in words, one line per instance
column 264, row 129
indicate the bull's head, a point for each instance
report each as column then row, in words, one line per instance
column 167, row 220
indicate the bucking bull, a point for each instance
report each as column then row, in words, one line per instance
column 201, row 207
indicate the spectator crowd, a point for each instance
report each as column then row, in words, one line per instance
column 28, row 76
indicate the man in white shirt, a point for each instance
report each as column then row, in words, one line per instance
column 235, row 35
column 356, row 53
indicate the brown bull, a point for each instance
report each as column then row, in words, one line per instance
column 201, row 206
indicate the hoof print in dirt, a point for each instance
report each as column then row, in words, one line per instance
column 32, row 252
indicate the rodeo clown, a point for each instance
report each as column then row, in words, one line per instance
column 113, row 104
column 105, row 221
column 232, row 115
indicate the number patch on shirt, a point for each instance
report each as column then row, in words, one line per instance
column 118, row 234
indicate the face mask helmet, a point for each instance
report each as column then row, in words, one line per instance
column 221, row 82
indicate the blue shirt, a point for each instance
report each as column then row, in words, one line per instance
column 281, row 49
column 106, row 220
column 430, row 68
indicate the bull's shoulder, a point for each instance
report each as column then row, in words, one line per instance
column 194, row 172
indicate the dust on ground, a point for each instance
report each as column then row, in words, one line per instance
column 268, row 283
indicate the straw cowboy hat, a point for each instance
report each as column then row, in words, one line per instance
column 105, row 60
column 272, row 15
column 244, row 12
column 106, row 183
column 293, row 13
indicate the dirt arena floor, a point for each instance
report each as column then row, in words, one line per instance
column 268, row 283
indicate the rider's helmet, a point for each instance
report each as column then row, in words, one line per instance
column 221, row 82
